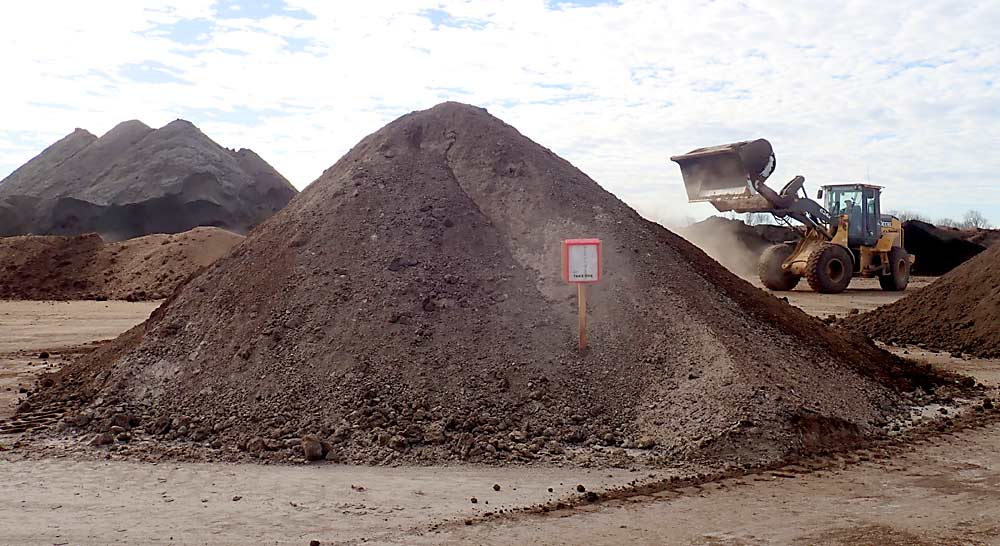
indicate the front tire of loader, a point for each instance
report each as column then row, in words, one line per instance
column 899, row 265
column 770, row 272
column 829, row 269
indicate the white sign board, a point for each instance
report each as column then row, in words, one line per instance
column 583, row 263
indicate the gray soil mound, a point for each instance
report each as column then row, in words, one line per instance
column 135, row 181
column 84, row 267
column 408, row 306
column 958, row 312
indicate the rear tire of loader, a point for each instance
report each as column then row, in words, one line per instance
column 770, row 272
column 899, row 265
column 829, row 269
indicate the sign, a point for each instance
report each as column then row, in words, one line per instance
column 581, row 260
column 582, row 266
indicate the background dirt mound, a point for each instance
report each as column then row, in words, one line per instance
column 408, row 306
column 938, row 251
column 134, row 181
column 40, row 267
column 984, row 237
column 958, row 312
column 735, row 244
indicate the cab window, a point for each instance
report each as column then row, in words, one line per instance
column 871, row 214
column 848, row 201
column 843, row 201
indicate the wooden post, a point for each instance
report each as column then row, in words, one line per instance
column 581, row 300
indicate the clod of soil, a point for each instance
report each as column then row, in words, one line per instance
column 135, row 181
column 465, row 349
column 960, row 312
column 84, row 267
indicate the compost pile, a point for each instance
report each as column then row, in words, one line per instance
column 734, row 244
column 958, row 312
column 937, row 250
column 136, row 181
column 84, row 267
column 984, row 237
column 408, row 307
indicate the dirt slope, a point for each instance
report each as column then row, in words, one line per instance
column 408, row 307
column 958, row 312
column 49, row 267
column 135, row 180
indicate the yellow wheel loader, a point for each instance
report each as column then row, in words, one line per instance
column 846, row 236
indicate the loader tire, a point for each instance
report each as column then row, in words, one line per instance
column 899, row 267
column 829, row 269
column 770, row 272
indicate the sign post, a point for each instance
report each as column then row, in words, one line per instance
column 582, row 266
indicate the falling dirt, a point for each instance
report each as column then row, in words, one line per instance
column 734, row 244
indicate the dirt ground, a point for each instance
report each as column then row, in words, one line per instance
column 79, row 502
column 940, row 491
column 50, row 325
column 862, row 295
column 57, row 327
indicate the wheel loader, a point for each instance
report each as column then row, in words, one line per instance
column 843, row 237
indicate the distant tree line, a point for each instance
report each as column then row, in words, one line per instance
column 972, row 219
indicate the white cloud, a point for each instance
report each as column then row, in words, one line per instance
column 903, row 92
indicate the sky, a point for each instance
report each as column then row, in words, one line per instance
column 903, row 94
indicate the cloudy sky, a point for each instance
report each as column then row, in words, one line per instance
column 902, row 94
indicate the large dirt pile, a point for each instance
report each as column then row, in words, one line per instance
column 52, row 267
column 937, row 250
column 408, row 306
column 735, row 244
column 135, row 181
column 958, row 312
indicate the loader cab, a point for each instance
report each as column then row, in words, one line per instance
column 860, row 202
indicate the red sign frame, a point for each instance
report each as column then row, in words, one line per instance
column 581, row 242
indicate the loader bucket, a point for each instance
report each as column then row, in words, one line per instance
column 725, row 176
